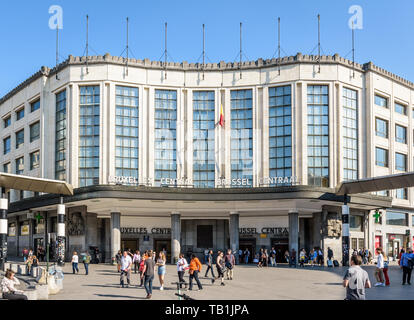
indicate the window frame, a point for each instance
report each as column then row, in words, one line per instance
column 32, row 104
column 30, row 131
column 386, row 128
column 18, row 112
column 387, row 157
column 398, row 139
column 32, row 167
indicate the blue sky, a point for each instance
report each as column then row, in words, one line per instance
column 27, row 43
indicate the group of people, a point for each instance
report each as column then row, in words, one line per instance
column 365, row 255
column 40, row 253
column 86, row 260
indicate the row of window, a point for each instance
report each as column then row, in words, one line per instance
column 392, row 218
column 383, row 102
column 20, row 113
column 34, row 159
column 381, row 130
column 382, row 159
column 19, row 135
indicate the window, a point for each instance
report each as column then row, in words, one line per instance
column 20, row 114
column 165, row 144
column 318, row 136
column 400, row 134
column 400, row 108
column 350, row 134
column 20, row 165
column 400, row 162
column 7, row 121
column 89, row 135
column 381, row 157
column 355, row 223
column 60, row 148
column 381, row 128
column 203, row 139
column 19, row 138
column 34, row 131
column 7, row 167
column 380, row 101
column 204, row 236
column 384, row 193
column 395, row 218
column 280, row 132
column 6, row 145
column 126, row 131
column 241, row 140
column 34, row 160
column 401, row 193
column 35, row 105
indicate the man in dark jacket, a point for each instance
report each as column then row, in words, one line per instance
column 406, row 263
column 330, row 253
column 210, row 264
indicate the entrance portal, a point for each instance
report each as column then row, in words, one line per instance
column 132, row 244
column 249, row 244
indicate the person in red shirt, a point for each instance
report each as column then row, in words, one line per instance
column 194, row 269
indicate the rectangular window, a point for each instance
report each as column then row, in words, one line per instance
column 401, row 193
column 318, row 136
column 20, row 165
column 400, row 162
column 6, row 145
column 34, row 131
column 203, row 139
column 280, row 132
column 381, row 157
column 241, row 140
column 350, row 134
column 126, row 131
column 60, row 138
column 395, row 218
column 20, row 114
column 19, row 138
column 89, row 135
column 34, row 160
column 165, row 144
column 381, row 101
column 381, row 128
column 7, row 121
column 35, row 105
column 400, row 108
column 355, row 223
column 7, row 167
column 400, row 134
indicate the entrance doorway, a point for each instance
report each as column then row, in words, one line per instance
column 249, row 244
column 132, row 244
column 280, row 245
column 163, row 244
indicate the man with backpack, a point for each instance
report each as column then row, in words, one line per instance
column 230, row 261
column 86, row 259
column 407, row 263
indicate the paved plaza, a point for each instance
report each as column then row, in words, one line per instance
column 250, row 282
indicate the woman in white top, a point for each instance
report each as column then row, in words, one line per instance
column 181, row 265
column 8, row 289
column 75, row 261
column 379, row 273
column 136, row 259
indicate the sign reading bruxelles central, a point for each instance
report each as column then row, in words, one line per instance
column 189, row 182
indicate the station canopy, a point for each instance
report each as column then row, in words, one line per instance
column 394, row 181
column 19, row 182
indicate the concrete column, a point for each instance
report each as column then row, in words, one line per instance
column 61, row 233
column 234, row 234
column 3, row 227
column 175, row 236
column 294, row 232
column 115, row 233
column 345, row 233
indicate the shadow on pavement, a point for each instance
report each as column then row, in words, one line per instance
column 119, row 296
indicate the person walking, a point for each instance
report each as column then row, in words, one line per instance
column 240, row 257
column 302, row 257
column 287, row 259
column 407, row 264
column 136, row 259
column 86, row 261
column 265, row 258
column 126, row 265
column 75, row 261
column 246, row 256
column 210, row 265
column 194, row 269
column 141, row 267
column 293, row 258
column 161, row 268
column 273, row 257
column 379, row 273
column 148, row 274
column 385, row 270
column 356, row 280
column 400, row 255
column 181, row 267
column 260, row 258
column 230, row 262
column 118, row 257
column 9, row 292
column 320, row 257
column 220, row 266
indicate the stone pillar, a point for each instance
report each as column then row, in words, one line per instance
column 234, row 234
column 115, row 233
column 175, row 236
column 294, row 232
column 3, row 227
column 345, row 233
column 61, row 233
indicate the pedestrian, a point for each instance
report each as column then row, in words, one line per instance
column 257, row 260
column 287, row 256
column 260, row 258
column 407, row 263
column 366, row 256
column 75, row 261
column 148, row 274
column 230, row 262
column 320, row 257
column 246, row 256
column 118, row 257
column 161, row 268
column 194, row 270
column 385, row 270
column 126, row 266
column 369, row 256
column 35, row 261
column 31, row 253
column 356, row 280
column 273, row 257
column 293, row 258
column 25, row 254
column 9, row 292
column 141, row 268
column 330, row 253
column 210, row 265
column 302, row 257
column 265, row 258
column 86, row 261
column 136, row 259
column 181, row 267
column 220, row 266
column 206, row 255
column 400, row 255
column 29, row 263
column 240, row 257
column 379, row 273
column 154, row 254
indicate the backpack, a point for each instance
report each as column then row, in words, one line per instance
column 141, row 265
column 410, row 263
